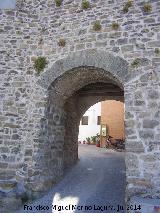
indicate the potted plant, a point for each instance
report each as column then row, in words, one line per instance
column 97, row 138
column 93, row 138
column 88, row 140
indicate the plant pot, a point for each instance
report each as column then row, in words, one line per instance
column 92, row 143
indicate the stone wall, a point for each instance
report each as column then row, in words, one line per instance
column 32, row 113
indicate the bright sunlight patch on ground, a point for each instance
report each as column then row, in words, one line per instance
column 58, row 203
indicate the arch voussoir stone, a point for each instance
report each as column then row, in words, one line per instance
column 117, row 66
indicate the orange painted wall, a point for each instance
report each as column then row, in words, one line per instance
column 112, row 114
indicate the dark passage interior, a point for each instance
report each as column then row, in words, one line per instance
column 76, row 106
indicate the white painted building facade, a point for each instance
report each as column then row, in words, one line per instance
column 92, row 127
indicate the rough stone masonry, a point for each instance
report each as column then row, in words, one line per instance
column 39, row 114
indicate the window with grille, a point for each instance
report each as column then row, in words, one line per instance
column 98, row 120
column 84, row 120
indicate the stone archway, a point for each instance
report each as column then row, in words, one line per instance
column 63, row 83
column 84, row 90
column 58, row 127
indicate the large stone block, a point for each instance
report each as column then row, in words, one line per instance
column 150, row 123
column 134, row 146
column 148, row 134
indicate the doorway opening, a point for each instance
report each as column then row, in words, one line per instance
column 103, row 125
column 78, row 103
column 99, row 165
column 73, row 85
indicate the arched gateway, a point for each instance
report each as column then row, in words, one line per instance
column 68, row 97
column 59, row 99
column 55, row 144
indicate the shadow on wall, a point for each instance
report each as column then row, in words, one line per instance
column 86, row 184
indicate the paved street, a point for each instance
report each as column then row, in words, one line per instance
column 97, row 180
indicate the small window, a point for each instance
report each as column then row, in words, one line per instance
column 84, row 120
column 98, row 120
column 7, row 4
